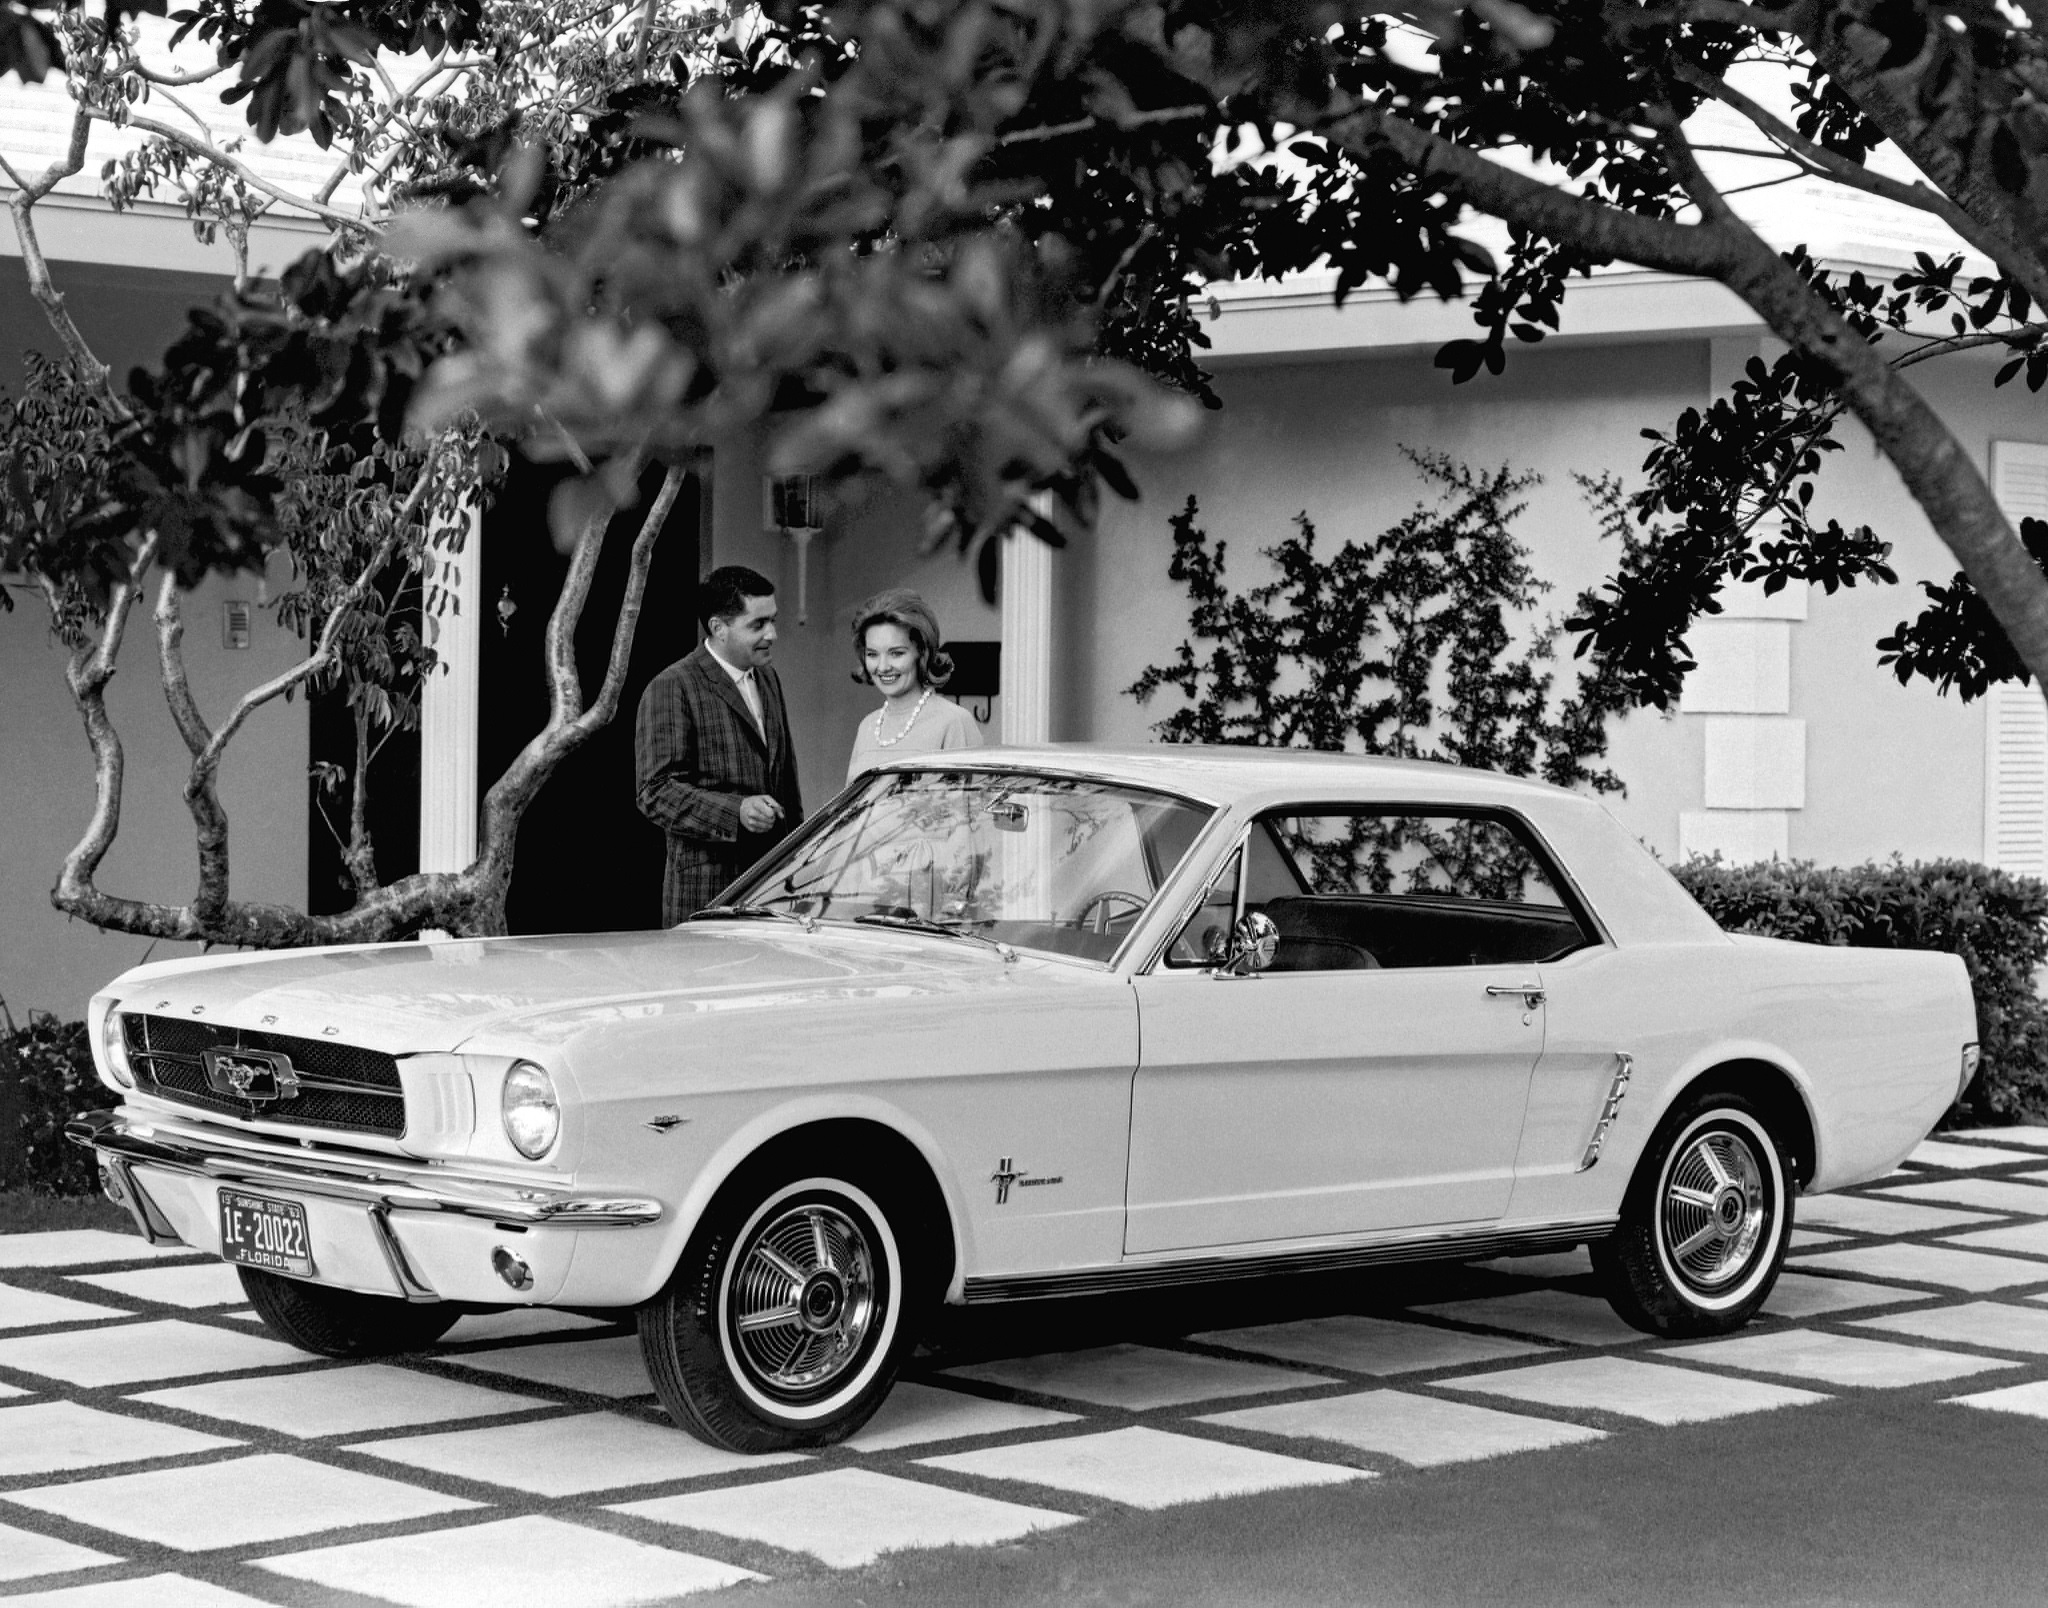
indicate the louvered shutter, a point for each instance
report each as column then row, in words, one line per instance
column 2015, row 719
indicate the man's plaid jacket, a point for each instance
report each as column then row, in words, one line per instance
column 696, row 754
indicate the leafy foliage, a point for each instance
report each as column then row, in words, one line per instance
column 1996, row 921
column 1401, row 643
column 48, row 1064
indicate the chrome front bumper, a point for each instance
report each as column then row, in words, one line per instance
column 382, row 1185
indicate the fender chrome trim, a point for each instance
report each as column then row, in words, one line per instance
column 1455, row 1247
column 386, row 1183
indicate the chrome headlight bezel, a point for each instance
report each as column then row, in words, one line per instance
column 114, row 1049
column 530, row 1110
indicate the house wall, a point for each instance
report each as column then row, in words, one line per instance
column 48, row 961
column 1884, row 768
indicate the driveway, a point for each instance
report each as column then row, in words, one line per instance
column 1461, row 1434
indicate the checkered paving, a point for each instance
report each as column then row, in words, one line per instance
column 157, row 1447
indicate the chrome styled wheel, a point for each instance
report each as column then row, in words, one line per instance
column 1704, row 1224
column 784, row 1322
column 801, row 1300
column 1715, row 1209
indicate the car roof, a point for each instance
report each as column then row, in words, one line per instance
column 1228, row 775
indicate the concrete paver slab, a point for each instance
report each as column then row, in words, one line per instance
column 915, row 1414
column 1421, row 1430
column 1135, row 1377
column 1371, row 1345
column 1145, row 1468
column 850, row 1516
column 2025, row 1137
column 527, row 1562
column 1966, row 1189
column 1647, row 1390
column 54, row 1437
column 153, row 1591
column 1866, row 1214
column 268, row 1497
column 1941, row 1153
column 567, row 1456
column 2030, row 1400
column 1929, row 1264
column 135, row 1353
column 607, row 1367
column 1996, row 1325
column 1808, row 1295
column 2022, row 1239
column 191, row 1284
column 24, row 1309
column 1834, row 1359
column 1554, row 1314
column 342, row 1401
column 24, row 1554
column 77, row 1247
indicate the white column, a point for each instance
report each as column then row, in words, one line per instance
column 448, row 784
column 1027, row 639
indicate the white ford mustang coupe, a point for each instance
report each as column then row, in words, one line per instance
column 1028, row 1023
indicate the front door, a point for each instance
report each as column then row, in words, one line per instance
column 1376, row 1077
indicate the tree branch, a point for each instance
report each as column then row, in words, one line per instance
column 2001, row 249
column 208, row 151
column 606, row 704
column 41, row 286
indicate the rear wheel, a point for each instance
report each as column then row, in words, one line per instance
column 789, row 1313
column 344, row 1323
column 1705, row 1223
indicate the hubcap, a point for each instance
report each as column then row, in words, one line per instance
column 1714, row 1210
column 803, row 1299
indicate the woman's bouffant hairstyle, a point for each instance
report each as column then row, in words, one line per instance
column 901, row 606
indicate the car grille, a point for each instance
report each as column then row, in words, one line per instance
column 339, row 1086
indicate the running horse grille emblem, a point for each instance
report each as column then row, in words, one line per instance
column 261, row 1077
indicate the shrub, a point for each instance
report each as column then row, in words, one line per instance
column 1992, row 919
column 46, row 1077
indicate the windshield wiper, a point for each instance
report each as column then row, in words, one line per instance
column 943, row 929
column 745, row 912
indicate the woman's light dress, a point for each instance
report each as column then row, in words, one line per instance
column 942, row 724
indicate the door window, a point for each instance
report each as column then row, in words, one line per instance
column 1356, row 889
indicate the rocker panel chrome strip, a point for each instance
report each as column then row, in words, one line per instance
column 1325, row 1259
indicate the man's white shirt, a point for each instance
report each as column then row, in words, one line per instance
column 749, row 690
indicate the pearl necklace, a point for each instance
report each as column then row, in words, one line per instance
column 891, row 742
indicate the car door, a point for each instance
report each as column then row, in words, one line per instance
column 1375, row 1078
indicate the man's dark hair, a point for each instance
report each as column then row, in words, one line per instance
column 727, row 590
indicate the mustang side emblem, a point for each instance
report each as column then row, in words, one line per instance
column 1008, row 1172
column 258, row 1076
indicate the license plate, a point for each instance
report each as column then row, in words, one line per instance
column 257, row 1231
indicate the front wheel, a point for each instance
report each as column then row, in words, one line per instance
column 344, row 1323
column 1705, row 1223
column 785, row 1321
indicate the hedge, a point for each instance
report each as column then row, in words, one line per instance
column 1993, row 919
column 46, row 1077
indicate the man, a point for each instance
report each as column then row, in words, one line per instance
column 713, row 765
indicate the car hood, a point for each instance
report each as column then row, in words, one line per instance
column 411, row 998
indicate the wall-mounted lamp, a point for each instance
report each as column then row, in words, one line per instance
column 977, row 677
column 795, row 506
column 236, row 623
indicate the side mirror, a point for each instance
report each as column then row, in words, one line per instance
column 1253, row 943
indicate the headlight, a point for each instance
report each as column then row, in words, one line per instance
column 532, row 1116
column 115, row 1043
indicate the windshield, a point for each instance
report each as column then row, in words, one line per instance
column 1054, row 863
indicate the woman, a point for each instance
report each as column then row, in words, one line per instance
column 896, row 639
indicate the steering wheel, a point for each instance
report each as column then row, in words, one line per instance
column 1099, row 907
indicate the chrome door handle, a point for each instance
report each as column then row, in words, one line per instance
column 1530, row 994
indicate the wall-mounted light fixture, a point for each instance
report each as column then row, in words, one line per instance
column 977, row 677
column 237, row 619
column 795, row 506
